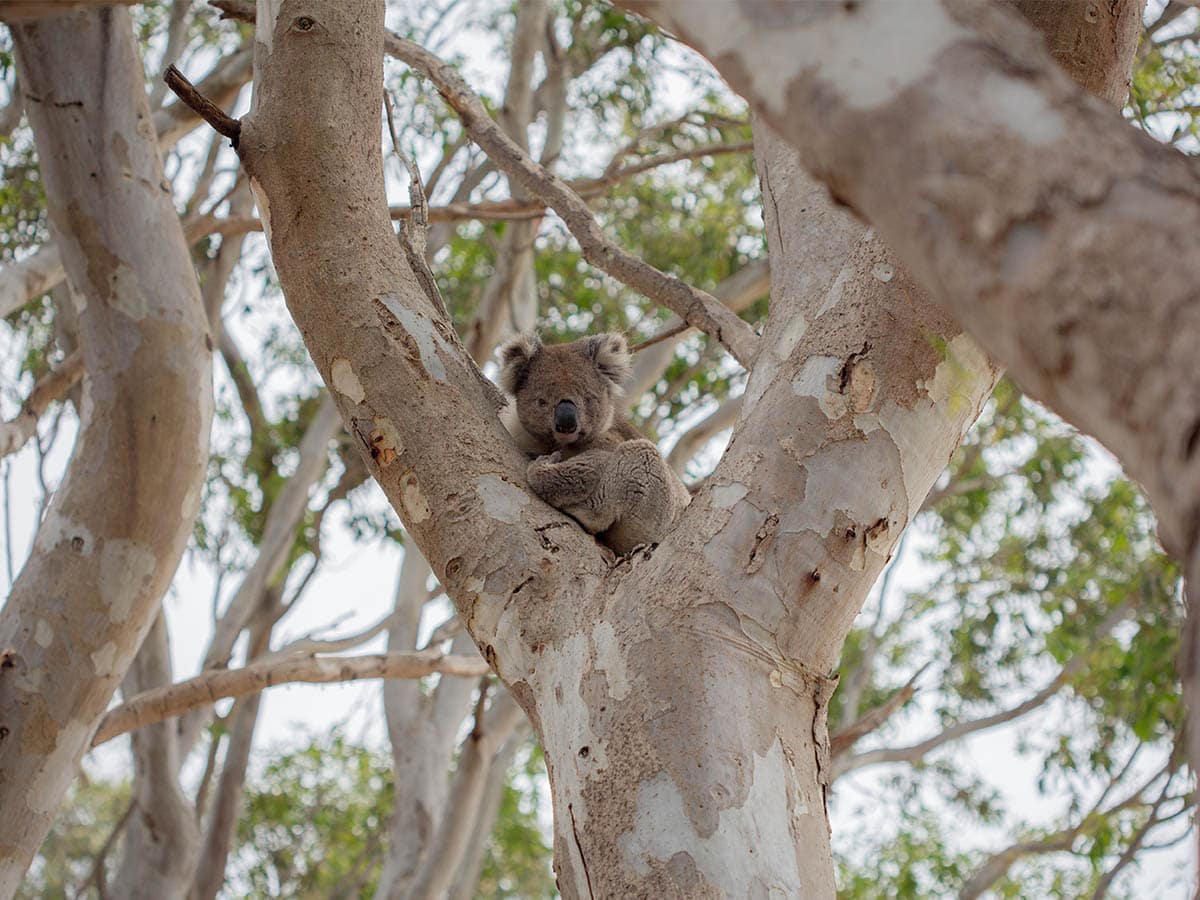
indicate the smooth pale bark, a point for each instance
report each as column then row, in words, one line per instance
column 422, row 731
column 22, row 281
column 466, row 796
column 657, row 789
column 1062, row 237
column 161, row 838
column 118, row 524
column 466, row 881
column 679, row 695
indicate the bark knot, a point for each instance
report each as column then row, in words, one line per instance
column 763, row 539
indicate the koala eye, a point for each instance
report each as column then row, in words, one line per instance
column 542, row 403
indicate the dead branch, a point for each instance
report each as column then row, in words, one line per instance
column 218, row 684
column 221, row 121
column 413, row 232
column 309, row 645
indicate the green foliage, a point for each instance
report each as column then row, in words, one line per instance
column 313, row 823
column 1164, row 92
column 84, row 823
column 517, row 860
column 1039, row 556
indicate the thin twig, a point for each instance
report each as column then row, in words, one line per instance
column 418, row 216
column 665, row 335
column 444, row 632
column 412, row 234
column 222, row 122
column 694, row 306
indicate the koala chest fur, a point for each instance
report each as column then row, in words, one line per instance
column 586, row 459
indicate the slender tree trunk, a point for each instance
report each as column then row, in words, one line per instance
column 466, row 882
column 161, row 840
column 466, row 796
column 420, row 754
column 117, row 526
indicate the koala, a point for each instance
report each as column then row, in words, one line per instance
column 587, row 460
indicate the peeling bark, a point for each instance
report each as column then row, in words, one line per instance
column 680, row 694
column 1064, row 238
column 101, row 560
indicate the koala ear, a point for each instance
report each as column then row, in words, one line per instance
column 610, row 353
column 515, row 356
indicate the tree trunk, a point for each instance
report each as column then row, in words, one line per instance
column 1039, row 218
column 117, row 526
column 161, row 840
column 628, row 672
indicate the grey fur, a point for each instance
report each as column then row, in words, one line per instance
column 608, row 477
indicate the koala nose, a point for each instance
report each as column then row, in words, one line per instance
column 566, row 417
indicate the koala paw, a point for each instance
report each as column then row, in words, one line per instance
column 550, row 458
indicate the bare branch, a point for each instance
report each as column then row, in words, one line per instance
column 449, row 629
column 692, row 440
column 696, row 307
column 412, row 234
column 217, row 684
column 872, row 719
column 309, row 645
column 1134, row 845
column 220, row 86
column 221, row 121
column 52, row 386
column 960, row 730
column 997, row 865
column 738, row 292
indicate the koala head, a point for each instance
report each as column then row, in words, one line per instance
column 565, row 394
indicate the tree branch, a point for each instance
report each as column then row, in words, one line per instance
column 872, row 719
column 692, row 440
column 696, row 307
column 221, row 121
column 960, row 730
column 52, row 386
column 217, row 684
